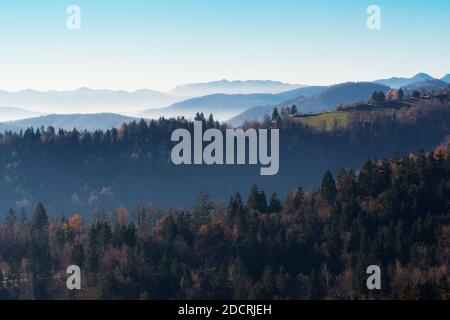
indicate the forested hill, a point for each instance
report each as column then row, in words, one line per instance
column 313, row 244
column 73, row 171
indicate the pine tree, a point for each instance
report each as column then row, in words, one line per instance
column 39, row 223
column 22, row 217
column 328, row 189
column 294, row 200
column 262, row 201
column 39, row 255
column 256, row 200
column 333, row 236
column 210, row 123
column 77, row 256
column 275, row 115
column 294, row 110
column 268, row 283
column 201, row 211
column 11, row 222
column 365, row 178
column 274, row 203
column 169, row 229
column 199, row 117
column 236, row 206
column 378, row 96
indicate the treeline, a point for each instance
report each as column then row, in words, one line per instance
column 313, row 244
column 81, row 171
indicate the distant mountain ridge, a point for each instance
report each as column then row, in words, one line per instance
column 225, row 106
column 85, row 100
column 396, row 82
column 446, row 78
column 225, row 99
column 89, row 122
column 12, row 114
column 344, row 93
column 302, row 92
column 232, row 87
column 222, row 106
column 427, row 85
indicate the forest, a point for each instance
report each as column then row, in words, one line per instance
column 88, row 199
column 313, row 244
column 81, row 171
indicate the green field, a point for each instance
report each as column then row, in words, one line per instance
column 325, row 121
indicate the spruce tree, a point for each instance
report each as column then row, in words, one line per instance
column 39, row 254
column 294, row 110
column 328, row 189
column 275, row 115
column 11, row 222
column 274, row 203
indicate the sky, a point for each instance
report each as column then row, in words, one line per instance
column 158, row 44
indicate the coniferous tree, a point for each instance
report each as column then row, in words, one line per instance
column 274, row 203
column 328, row 189
column 253, row 198
column 201, row 211
column 11, row 222
column 78, row 256
column 275, row 115
column 294, row 200
column 236, row 206
column 294, row 110
column 22, row 218
column 39, row 253
column 318, row 244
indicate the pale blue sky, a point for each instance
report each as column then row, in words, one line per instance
column 158, row 44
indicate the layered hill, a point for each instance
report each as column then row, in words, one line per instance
column 446, row 78
column 90, row 122
column 326, row 99
column 427, row 85
column 12, row 114
column 85, row 100
column 232, row 87
column 225, row 106
column 398, row 82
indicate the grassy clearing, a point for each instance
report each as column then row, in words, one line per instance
column 325, row 121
